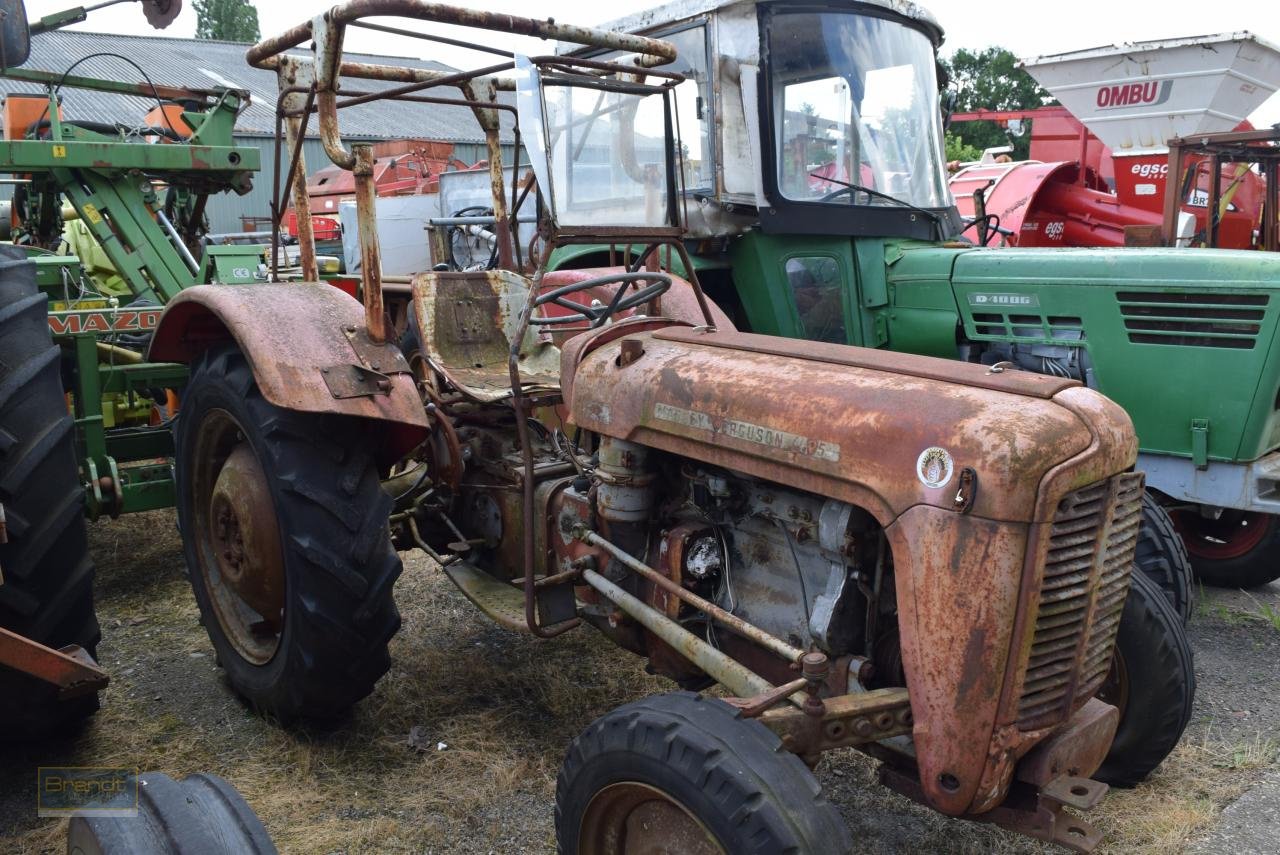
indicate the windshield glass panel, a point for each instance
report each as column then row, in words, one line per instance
column 855, row 102
column 608, row 156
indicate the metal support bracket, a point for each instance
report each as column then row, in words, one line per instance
column 355, row 381
column 1200, row 443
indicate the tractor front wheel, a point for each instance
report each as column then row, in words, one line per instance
column 685, row 773
column 1162, row 556
column 285, row 531
column 1239, row 549
column 1152, row 683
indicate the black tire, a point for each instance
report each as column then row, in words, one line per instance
column 1241, row 549
column 1162, row 557
column 1156, row 686
column 200, row 814
column 47, row 594
column 732, row 774
column 339, row 564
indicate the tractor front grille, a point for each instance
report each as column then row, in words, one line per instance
column 1081, row 597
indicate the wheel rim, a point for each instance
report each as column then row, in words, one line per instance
column 237, row 538
column 1115, row 689
column 631, row 818
column 1231, row 535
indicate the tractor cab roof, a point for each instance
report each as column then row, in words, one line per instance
column 681, row 10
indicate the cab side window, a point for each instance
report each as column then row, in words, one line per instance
column 815, row 284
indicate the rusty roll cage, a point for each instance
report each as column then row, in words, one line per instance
column 312, row 84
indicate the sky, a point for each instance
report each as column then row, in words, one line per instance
column 1026, row 28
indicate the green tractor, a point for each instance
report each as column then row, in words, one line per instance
column 818, row 208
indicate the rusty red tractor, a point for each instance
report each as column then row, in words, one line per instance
column 924, row 559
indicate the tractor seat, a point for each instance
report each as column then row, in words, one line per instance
column 467, row 321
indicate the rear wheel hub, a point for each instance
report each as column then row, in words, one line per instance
column 245, row 535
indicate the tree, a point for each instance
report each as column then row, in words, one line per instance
column 227, row 20
column 958, row 149
column 991, row 80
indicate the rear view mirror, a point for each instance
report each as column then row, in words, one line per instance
column 15, row 37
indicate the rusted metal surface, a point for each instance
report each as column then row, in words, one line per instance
column 686, row 398
column 245, row 535
column 370, row 250
column 729, row 621
column 70, row 669
column 1038, row 814
column 295, row 77
column 1076, row 748
column 288, row 333
column 720, row 667
column 631, row 818
column 846, row 720
column 1016, row 433
column 652, row 51
column 467, row 321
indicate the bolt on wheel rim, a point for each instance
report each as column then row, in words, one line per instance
column 631, row 818
column 237, row 535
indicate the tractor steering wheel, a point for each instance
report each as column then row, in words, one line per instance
column 599, row 313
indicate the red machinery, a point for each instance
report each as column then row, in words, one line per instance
column 1099, row 162
column 401, row 168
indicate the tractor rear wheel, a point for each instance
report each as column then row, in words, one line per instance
column 1240, row 549
column 685, row 773
column 1152, row 683
column 47, row 592
column 1162, row 556
column 288, row 550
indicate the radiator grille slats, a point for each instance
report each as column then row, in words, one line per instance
column 1081, row 597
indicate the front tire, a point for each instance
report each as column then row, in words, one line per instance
column 689, row 773
column 1152, row 682
column 1162, row 556
column 1240, row 549
column 286, row 541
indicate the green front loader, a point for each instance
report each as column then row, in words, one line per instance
column 815, row 191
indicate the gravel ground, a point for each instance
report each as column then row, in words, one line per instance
column 504, row 707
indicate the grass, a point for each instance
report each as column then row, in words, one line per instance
column 504, row 705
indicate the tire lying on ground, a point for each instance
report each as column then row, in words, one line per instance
column 47, row 593
column 286, row 540
column 199, row 814
column 1162, row 557
column 698, row 777
column 1152, row 682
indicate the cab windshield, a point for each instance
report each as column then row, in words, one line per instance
column 855, row 102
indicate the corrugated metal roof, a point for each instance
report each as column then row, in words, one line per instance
column 204, row 64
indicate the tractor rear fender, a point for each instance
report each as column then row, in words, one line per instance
column 308, row 349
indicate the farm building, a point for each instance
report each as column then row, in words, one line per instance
column 204, row 64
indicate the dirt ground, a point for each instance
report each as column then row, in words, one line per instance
column 491, row 713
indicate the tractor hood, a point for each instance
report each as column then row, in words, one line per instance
column 884, row 431
column 1198, row 325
